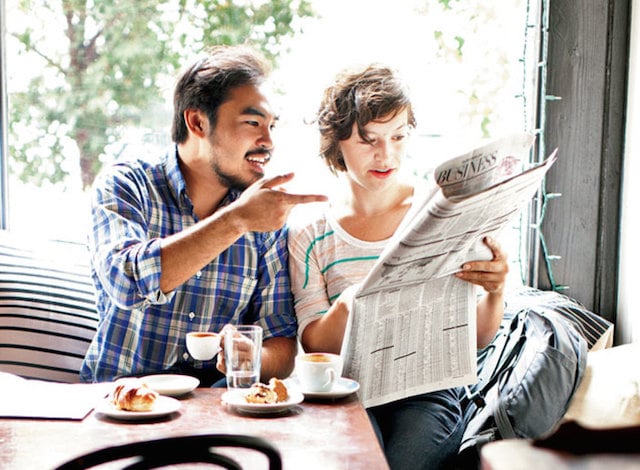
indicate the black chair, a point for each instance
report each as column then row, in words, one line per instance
column 178, row 450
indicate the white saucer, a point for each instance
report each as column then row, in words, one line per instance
column 342, row 388
column 236, row 400
column 163, row 406
column 171, row 384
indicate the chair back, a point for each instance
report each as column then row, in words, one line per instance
column 178, row 450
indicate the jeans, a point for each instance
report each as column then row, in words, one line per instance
column 421, row 432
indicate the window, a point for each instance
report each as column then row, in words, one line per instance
column 471, row 69
column 628, row 324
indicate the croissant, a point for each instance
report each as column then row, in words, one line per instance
column 261, row 393
column 131, row 394
column 279, row 388
column 275, row 392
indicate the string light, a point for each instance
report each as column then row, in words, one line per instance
column 534, row 239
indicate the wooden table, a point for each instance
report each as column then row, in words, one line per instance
column 520, row 454
column 312, row 435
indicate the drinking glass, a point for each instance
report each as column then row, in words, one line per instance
column 242, row 354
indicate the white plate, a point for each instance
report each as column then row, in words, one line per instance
column 236, row 400
column 341, row 388
column 171, row 384
column 163, row 406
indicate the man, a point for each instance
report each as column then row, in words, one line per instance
column 195, row 240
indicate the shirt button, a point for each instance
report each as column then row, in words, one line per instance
column 191, row 315
column 199, row 274
column 185, row 356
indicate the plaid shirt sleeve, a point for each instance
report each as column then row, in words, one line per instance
column 125, row 260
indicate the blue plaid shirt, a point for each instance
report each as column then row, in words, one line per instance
column 141, row 329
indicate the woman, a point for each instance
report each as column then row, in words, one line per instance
column 364, row 119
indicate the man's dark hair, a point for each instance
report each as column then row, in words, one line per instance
column 207, row 83
column 359, row 96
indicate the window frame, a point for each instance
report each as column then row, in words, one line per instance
column 4, row 172
column 594, row 38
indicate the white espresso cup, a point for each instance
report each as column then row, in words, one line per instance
column 203, row 345
column 318, row 372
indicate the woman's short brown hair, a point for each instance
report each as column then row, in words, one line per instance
column 358, row 96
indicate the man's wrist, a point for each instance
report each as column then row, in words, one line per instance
column 233, row 220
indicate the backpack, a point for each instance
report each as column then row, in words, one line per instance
column 526, row 379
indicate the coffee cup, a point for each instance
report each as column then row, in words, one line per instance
column 203, row 345
column 318, row 371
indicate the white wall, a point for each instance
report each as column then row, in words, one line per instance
column 628, row 329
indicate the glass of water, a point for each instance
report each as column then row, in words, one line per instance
column 242, row 353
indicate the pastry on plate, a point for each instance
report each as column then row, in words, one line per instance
column 280, row 388
column 132, row 394
column 260, row 393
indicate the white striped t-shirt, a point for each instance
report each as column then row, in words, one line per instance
column 324, row 260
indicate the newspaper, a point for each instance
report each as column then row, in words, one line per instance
column 412, row 328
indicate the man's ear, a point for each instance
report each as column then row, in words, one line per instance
column 196, row 121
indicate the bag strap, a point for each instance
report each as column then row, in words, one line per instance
column 501, row 355
column 500, row 416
